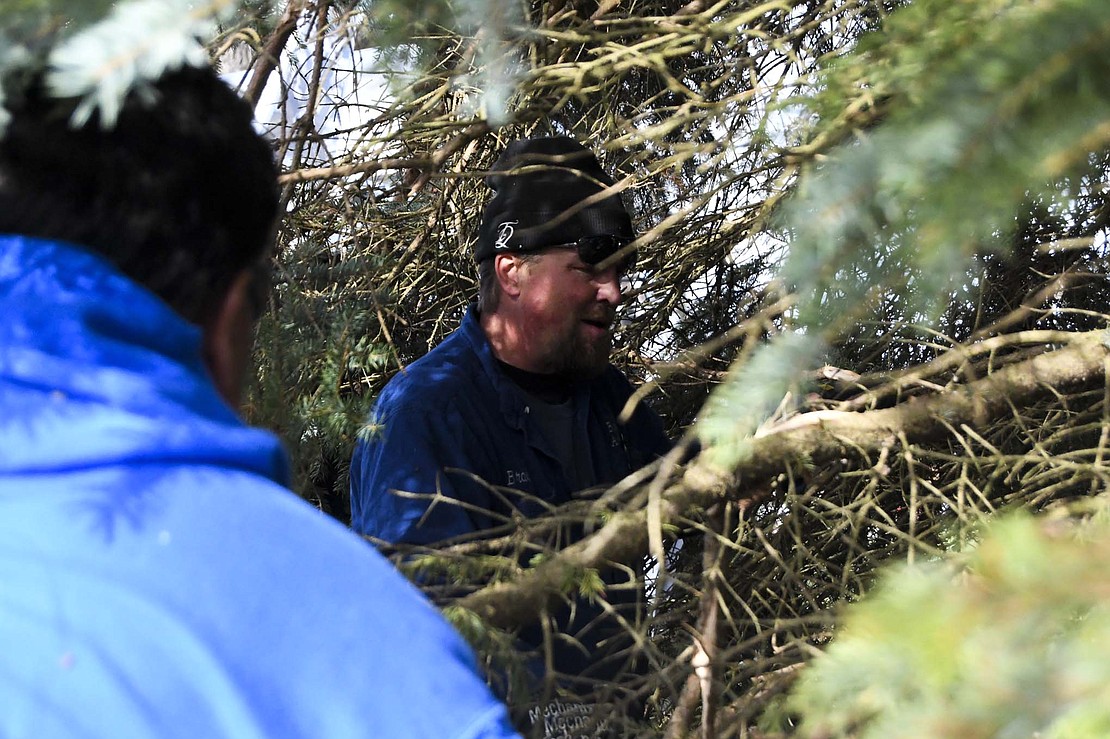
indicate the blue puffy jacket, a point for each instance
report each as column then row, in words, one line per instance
column 156, row 580
column 453, row 424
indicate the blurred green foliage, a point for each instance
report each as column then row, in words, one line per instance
column 953, row 117
column 99, row 52
column 1009, row 639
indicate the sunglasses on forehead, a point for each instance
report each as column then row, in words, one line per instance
column 596, row 249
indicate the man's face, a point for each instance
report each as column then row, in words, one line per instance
column 567, row 311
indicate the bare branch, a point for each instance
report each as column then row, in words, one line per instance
column 819, row 438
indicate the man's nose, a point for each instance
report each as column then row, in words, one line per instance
column 609, row 287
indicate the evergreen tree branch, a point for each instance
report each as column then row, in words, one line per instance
column 816, row 438
column 267, row 60
column 425, row 165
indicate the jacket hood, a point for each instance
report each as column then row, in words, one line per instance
column 96, row 370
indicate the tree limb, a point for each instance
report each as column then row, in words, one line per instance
column 818, row 438
column 267, row 59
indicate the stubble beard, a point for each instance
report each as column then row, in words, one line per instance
column 577, row 357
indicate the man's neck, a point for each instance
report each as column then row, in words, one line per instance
column 508, row 341
column 509, row 349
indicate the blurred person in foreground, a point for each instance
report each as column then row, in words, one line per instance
column 157, row 578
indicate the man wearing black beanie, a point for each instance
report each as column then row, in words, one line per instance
column 522, row 396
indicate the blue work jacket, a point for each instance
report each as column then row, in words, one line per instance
column 453, row 424
column 451, row 449
column 156, row 578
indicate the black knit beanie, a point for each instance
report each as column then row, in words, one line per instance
column 539, row 186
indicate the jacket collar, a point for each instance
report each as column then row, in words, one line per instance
column 514, row 402
column 106, row 370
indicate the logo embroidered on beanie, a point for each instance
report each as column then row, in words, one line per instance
column 504, row 234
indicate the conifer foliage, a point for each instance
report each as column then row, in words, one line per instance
column 871, row 284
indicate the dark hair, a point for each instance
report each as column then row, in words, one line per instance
column 489, row 292
column 180, row 193
column 489, row 289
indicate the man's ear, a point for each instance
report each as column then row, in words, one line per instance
column 227, row 338
column 508, row 269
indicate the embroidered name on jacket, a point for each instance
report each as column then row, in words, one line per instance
column 517, row 478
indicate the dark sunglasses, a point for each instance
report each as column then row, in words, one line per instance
column 596, row 249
